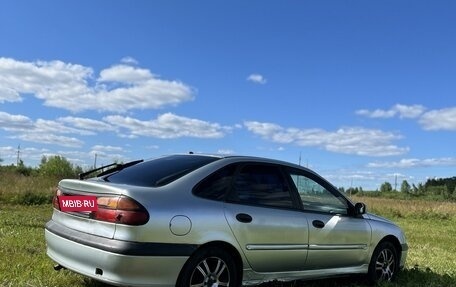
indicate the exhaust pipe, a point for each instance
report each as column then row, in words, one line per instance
column 58, row 267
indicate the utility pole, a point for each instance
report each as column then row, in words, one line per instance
column 395, row 182
column 18, row 155
column 351, row 186
column 95, row 161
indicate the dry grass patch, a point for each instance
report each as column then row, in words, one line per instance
column 409, row 208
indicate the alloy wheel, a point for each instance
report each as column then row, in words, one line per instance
column 210, row 272
column 385, row 265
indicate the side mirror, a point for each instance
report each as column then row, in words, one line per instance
column 360, row 208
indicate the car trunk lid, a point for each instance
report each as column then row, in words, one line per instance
column 84, row 220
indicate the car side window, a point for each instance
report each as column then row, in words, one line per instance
column 216, row 185
column 261, row 185
column 316, row 197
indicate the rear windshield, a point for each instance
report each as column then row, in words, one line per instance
column 161, row 171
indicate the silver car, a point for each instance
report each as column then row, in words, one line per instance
column 201, row 220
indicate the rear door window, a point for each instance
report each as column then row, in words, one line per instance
column 263, row 185
column 217, row 185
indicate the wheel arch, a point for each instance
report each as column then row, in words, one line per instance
column 230, row 249
column 397, row 245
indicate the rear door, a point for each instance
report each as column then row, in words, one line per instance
column 336, row 238
column 264, row 217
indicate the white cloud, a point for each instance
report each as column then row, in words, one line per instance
column 129, row 61
column 257, row 79
column 48, row 126
column 402, row 111
column 49, row 81
column 352, row 140
column 444, row 119
column 73, row 87
column 106, row 157
column 409, row 111
column 351, row 176
column 54, row 139
column 168, row 126
column 376, row 113
column 107, row 148
column 11, row 122
column 153, row 147
column 414, row 162
column 9, row 95
column 125, row 74
column 87, row 124
column 8, row 154
column 225, row 152
column 41, row 131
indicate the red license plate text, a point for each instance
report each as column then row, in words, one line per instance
column 78, row 203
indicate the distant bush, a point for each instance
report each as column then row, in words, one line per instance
column 24, row 185
column 24, row 170
column 386, row 187
column 29, row 197
column 57, row 167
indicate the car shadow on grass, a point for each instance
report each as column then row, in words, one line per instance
column 424, row 276
column 351, row 281
column 415, row 276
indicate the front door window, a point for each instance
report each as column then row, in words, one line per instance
column 315, row 197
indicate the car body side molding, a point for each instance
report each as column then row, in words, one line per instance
column 277, row 246
column 336, row 246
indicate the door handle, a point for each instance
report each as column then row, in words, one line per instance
column 243, row 217
column 318, row 224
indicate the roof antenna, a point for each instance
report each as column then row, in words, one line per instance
column 190, row 152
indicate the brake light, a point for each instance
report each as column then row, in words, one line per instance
column 55, row 199
column 120, row 209
column 114, row 209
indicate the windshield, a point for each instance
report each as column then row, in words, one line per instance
column 161, row 171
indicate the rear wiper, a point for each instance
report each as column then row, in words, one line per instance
column 116, row 167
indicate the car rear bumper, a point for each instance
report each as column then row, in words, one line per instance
column 114, row 261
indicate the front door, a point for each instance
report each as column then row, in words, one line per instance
column 265, row 220
column 336, row 238
column 341, row 241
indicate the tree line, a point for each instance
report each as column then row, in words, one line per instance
column 433, row 188
column 57, row 167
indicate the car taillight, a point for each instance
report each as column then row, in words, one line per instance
column 120, row 209
column 115, row 209
column 55, row 199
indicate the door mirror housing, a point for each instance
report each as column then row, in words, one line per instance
column 360, row 208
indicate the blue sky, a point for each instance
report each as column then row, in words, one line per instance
column 362, row 91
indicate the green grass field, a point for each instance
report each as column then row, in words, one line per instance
column 430, row 228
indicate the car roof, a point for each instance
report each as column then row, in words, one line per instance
column 241, row 158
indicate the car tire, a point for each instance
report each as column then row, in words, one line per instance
column 384, row 263
column 209, row 267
